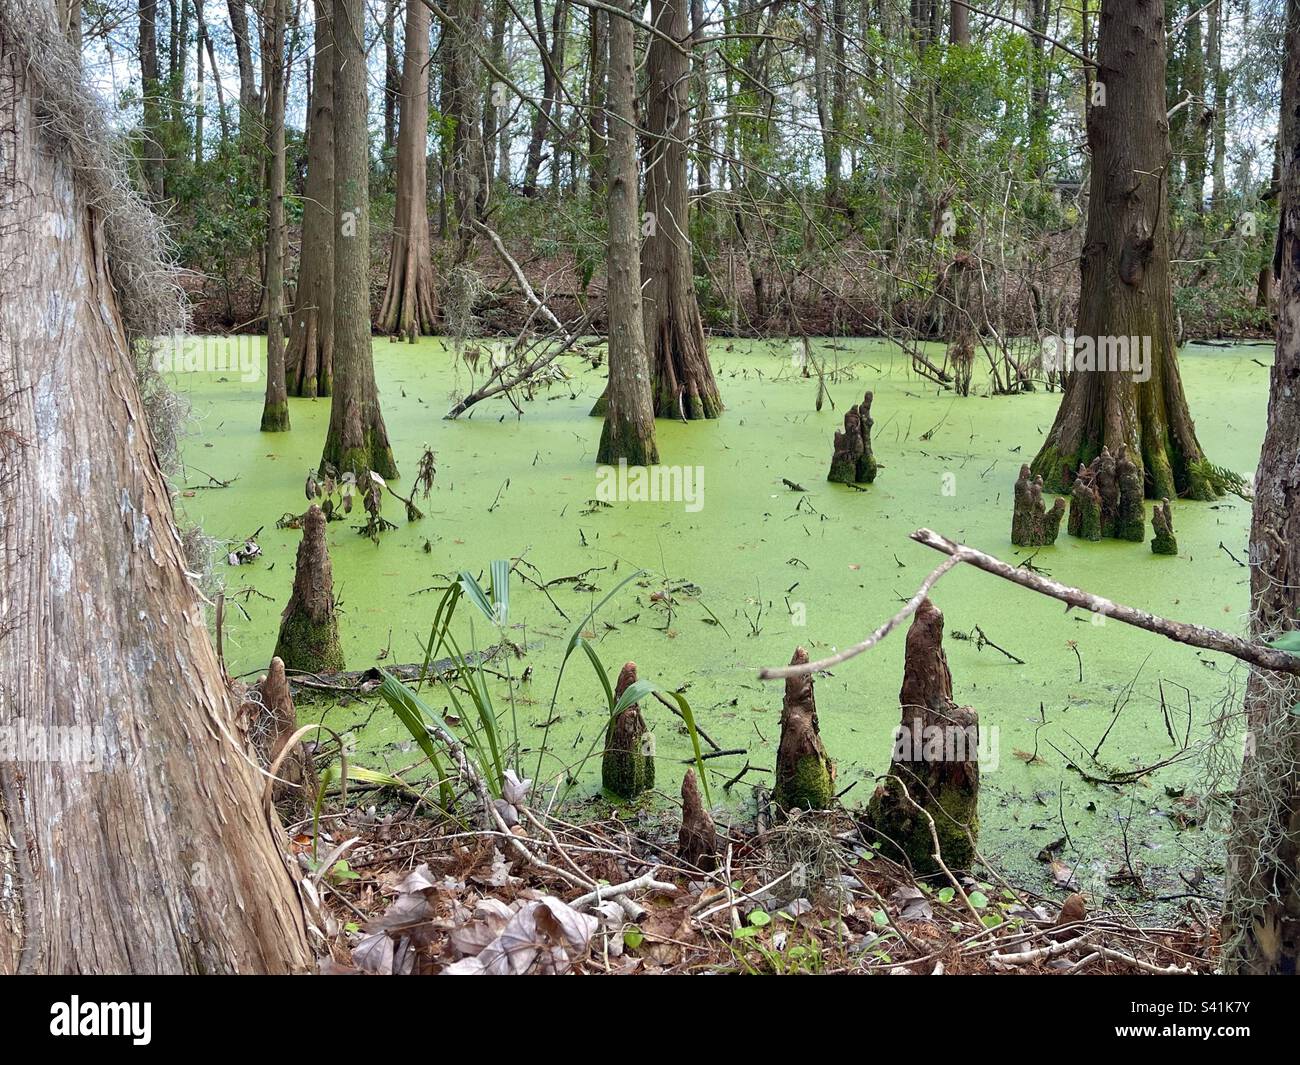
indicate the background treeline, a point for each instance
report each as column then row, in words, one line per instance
column 877, row 167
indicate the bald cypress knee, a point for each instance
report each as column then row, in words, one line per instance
column 804, row 773
column 309, row 627
column 933, row 778
column 628, row 765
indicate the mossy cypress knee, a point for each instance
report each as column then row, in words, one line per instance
column 1162, row 522
column 628, row 766
column 805, row 776
column 697, row 842
column 309, row 630
column 935, row 759
column 1032, row 524
column 852, row 460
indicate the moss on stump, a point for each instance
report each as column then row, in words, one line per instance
column 1162, row 522
column 934, row 773
column 852, row 461
column 1032, row 524
column 628, row 765
column 309, row 630
column 1106, row 499
column 805, row 775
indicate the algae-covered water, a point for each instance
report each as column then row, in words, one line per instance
column 759, row 568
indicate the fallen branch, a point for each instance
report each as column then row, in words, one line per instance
column 779, row 672
column 497, row 382
column 522, row 281
column 1179, row 631
column 1028, row 957
column 645, row 882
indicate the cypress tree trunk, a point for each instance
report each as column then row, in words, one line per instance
column 275, row 410
column 410, row 306
column 463, row 92
column 150, row 90
column 126, row 791
column 1125, row 290
column 629, row 430
column 597, row 101
column 357, row 440
column 309, row 360
column 683, row 379
column 1262, row 914
column 1197, row 141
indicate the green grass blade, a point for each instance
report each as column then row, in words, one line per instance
column 501, row 591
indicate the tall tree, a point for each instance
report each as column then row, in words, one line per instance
column 959, row 23
column 1262, row 913
column 462, row 40
column 249, row 98
column 357, row 440
column 552, row 57
column 494, row 118
column 597, row 82
column 1125, row 292
column 275, row 409
column 629, row 431
column 392, row 76
column 151, row 96
column 200, row 34
column 128, row 784
column 1217, row 76
column 309, row 359
column 409, row 305
column 683, row 379
column 1199, row 113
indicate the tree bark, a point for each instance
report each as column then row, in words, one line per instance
column 684, row 386
column 1125, row 289
column 1198, row 114
column 463, row 92
column 128, row 792
column 150, row 94
column 958, row 23
column 410, row 306
column 1262, row 913
column 357, row 440
column 310, row 356
column 597, row 102
column 551, row 56
column 629, row 429
column 392, row 77
column 275, row 409
column 249, row 104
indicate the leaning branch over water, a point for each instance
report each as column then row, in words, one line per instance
column 1179, row 631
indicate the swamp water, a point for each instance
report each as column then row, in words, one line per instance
column 759, row 568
